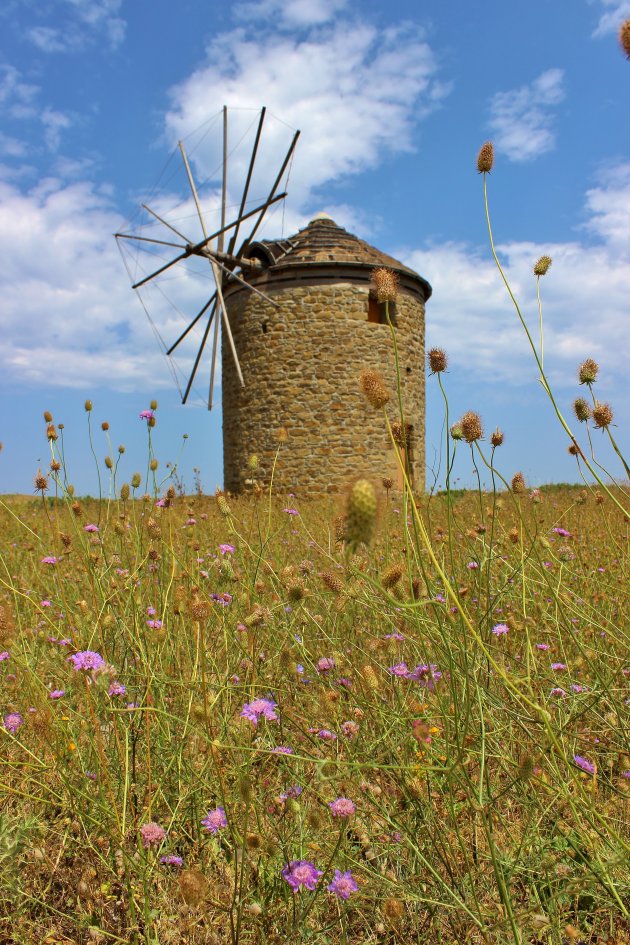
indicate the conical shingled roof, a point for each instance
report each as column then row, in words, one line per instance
column 324, row 243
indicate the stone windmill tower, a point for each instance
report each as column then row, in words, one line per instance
column 299, row 323
column 303, row 355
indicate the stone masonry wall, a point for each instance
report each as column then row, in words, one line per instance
column 301, row 363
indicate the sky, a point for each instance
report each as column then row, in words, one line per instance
column 393, row 101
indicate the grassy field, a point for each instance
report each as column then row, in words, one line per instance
column 222, row 722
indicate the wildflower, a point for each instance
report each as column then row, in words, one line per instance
column 226, row 549
column 215, row 820
column 56, row 693
column 559, row 666
column 584, row 764
column 400, row 669
column 147, row 415
column 282, row 750
column 325, row 664
column 472, row 565
column 12, row 722
column 90, row 528
column 291, row 793
column 485, row 158
column 541, row 267
column 50, row 559
column 581, row 409
column 349, row 729
column 342, row 807
column 437, row 359
column 326, row 735
column 518, row 483
column 342, row 884
column 259, row 708
column 470, row 425
column 562, row 532
column 86, row 660
column 496, row 438
column 500, row 629
column 152, row 835
column 154, row 624
column 602, row 415
column 426, row 675
column 291, row 511
column 385, row 284
column 374, row 388
column 5, row 655
column 116, row 689
column 624, row 37
column 171, row 860
column 542, row 646
column 588, row 371
column 299, row 873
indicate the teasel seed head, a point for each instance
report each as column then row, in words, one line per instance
column 104, row 426
column 41, row 482
column 624, row 37
column 497, row 437
column 518, row 483
column 387, row 482
column 602, row 415
column 588, row 371
column 438, row 360
column 374, row 388
column 124, row 491
column 385, row 284
column 542, row 266
column 88, row 406
column 332, row 581
column 573, row 450
column 361, row 512
column 392, row 575
column 136, row 479
column 456, row 431
column 55, row 465
column 581, row 409
column 485, row 158
column 48, row 417
column 471, row 427
column 51, row 432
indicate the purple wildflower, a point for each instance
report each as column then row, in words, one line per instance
column 342, row 884
column 301, row 873
column 543, row 646
column 4, row 656
column 215, row 820
column 500, row 629
column 49, row 559
column 325, row 664
column 45, row 603
column 426, row 675
column 559, row 666
column 116, row 689
column 400, row 669
column 349, row 729
column 562, row 532
column 154, row 624
column 90, row 528
column 282, row 750
column 325, row 734
column 12, row 722
column 472, row 565
column 584, row 764
column 86, row 660
column 259, row 708
column 147, row 415
column 342, row 807
column 226, row 549
column 293, row 793
column 291, row 511
column 171, row 860
column 152, row 835
column 56, row 693
column 557, row 691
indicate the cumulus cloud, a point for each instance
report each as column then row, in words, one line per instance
column 616, row 11
column 521, row 119
column 290, row 13
column 584, row 296
column 84, row 22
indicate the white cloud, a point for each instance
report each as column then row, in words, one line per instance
column 290, row 13
column 521, row 118
column 584, row 294
column 616, row 12
column 85, row 22
column 355, row 92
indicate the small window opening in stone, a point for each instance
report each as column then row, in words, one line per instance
column 377, row 311
column 408, row 370
column 264, row 327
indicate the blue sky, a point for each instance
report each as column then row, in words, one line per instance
column 393, row 101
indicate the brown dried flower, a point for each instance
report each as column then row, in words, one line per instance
column 541, row 267
column 392, row 575
column 518, row 483
column 388, row 482
column 602, row 415
column 624, row 37
column 438, row 361
column 41, row 482
column 581, row 409
column 497, row 437
column 374, row 387
column 485, row 158
column 470, row 425
column 588, row 372
column 385, row 284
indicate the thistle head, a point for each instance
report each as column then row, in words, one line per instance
column 624, row 37
column 385, row 284
column 581, row 409
column 471, row 427
column 541, row 267
column 374, row 388
column 437, row 359
column 602, row 415
column 518, row 483
column 485, row 158
column 497, row 437
column 588, row 371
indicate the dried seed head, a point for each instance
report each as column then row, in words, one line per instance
column 51, row 432
column 518, row 483
column 193, row 886
column 393, row 908
column 417, row 588
column 55, row 465
column 104, row 426
column 153, row 465
column 388, row 482
column 332, row 581
column 401, row 433
column 109, row 462
column 485, row 158
column 124, row 491
column 526, row 768
column 361, row 512
column 392, row 575
column 41, row 482
column 624, row 37
column 471, row 428
column 541, row 267
column 252, row 463
column 581, row 409
column 153, row 527
column 497, row 437
column 573, row 450
column 295, row 591
column 48, row 416
column 222, row 503
column 588, row 371
column 385, row 284
column 374, row 388
column 602, row 415
column 456, row 431
column 153, row 405
column 438, row 361
column 136, row 479
column 513, row 535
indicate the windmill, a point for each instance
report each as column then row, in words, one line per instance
column 226, row 264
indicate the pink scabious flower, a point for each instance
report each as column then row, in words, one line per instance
column 342, row 807
column 259, row 709
column 326, row 735
column 500, row 629
column 557, row 691
column 301, row 873
column 472, row 565
column 584, row 764
column 426, row 675
column 215, row 820
column 282, row 750
column 400, row 669
column 5, row 655
column 56, row 693
column 562, row 532
column 559, row 666
column 12, row 722
column 160, row 504
column 291, row 511
column 226, row 549
column 325, row 664
column 49, row 559
column 116, row 689
column 543, row 646
column 152, row 835
column 342, row 884
column 90, row 528
column 349, row 729
column 147, row 415
column 154, row 624
column 45, row 603
column 86, row 660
